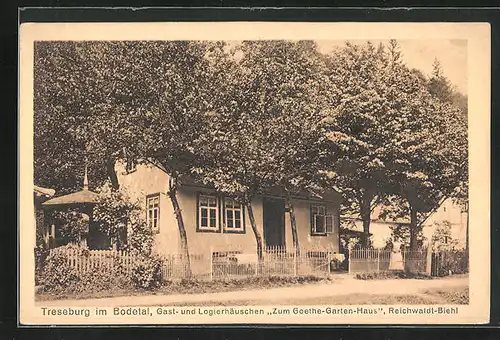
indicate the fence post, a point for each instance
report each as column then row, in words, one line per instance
column 378, row 260
column 211, row 263
column 294, row 262
column 349, row 260
column 428, row 263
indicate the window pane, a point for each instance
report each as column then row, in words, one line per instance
column 203, row 201
column 320, row 224
column 237, row 224
column 228, row 202
column 212, row 213
column 229, row 218
column 212, row 201
column 329, row 224
column 203, row 212
column 237, row 215
column 213, row 223
column 204, row 222
column 155, row 213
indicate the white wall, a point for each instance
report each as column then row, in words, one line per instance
column 451, row 212
column 148, row 180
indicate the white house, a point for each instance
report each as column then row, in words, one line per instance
column 381, row 229
column 215, row 221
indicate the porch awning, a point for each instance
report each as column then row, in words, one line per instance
column 80, row 197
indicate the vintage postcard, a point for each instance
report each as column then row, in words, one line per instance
column 254, row 173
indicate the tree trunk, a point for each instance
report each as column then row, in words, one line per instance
column 110, row 169
column 365, row 212
column 258, row 238
column 413, row 228
column 172, row 193
column 293, row 224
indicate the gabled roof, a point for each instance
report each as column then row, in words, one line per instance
column 80, row 197
column 375, row 217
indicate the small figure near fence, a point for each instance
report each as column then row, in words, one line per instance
column 396, row 260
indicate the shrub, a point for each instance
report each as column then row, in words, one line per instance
column 450, row 262
column 72, row 225
column 146, row 272
column 387, row 275
column 57, row 276
column 114, row 212
column 41, row 255
column 98, row 280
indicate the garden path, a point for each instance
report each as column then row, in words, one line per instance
column 341, row 285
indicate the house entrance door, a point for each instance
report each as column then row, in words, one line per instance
column 274, row 222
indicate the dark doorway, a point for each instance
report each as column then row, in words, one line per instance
column 274, row 221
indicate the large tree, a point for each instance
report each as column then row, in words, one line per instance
column 358, row 126
column 266, row 131
column 100, row 101
column 288, row 86
column 427, row 148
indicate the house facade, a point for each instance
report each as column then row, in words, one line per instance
column 447, row 212
column 380, row 228
column 452, row 213
column 214, row 222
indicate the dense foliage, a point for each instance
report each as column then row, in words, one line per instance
column 249, row 116
column 73, row 225
column 115, row 213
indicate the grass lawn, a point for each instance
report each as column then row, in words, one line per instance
column 190, row 287
column 455, row 295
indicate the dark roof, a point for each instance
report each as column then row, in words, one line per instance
column 351, row 232
column 326, row 195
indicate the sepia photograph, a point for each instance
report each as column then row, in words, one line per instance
column 238, row 178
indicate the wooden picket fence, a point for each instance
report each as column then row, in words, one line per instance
column 276, row 261
column 378, row 260
column 368, row 260
column 216, row 264
column 83, row 260
column 413, row 261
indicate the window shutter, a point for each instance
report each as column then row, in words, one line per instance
column 311, row 219
column 329, row 224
